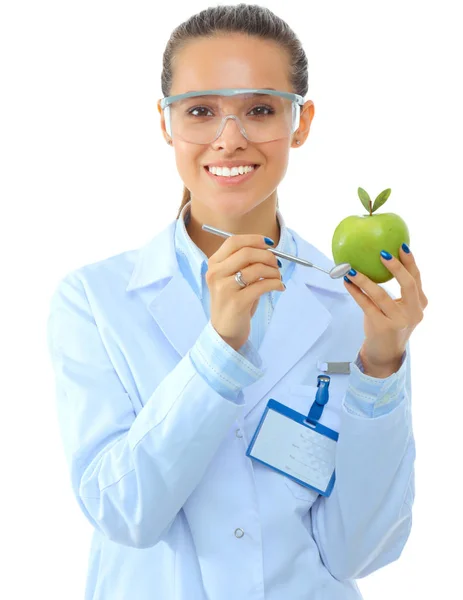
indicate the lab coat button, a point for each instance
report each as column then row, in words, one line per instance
column 239, row 533
column 238, row 433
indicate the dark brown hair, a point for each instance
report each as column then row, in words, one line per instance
column 250, row 19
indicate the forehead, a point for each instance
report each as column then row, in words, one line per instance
column 231, row 61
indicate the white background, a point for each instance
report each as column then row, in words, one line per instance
column 86, row 173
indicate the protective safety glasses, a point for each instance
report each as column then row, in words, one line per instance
column 262, row 115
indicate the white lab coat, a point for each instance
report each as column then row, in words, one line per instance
column 157, row 457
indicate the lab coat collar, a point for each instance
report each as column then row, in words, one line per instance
column 298, row 321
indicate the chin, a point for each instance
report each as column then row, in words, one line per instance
column 236, row 203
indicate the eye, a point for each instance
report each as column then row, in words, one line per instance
column 262, row 106
column 198, row 108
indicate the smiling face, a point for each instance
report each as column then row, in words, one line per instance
column 233, row 61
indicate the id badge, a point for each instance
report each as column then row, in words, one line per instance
column 297, row 445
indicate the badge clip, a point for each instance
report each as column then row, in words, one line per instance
column 334, row 367
column 321, row 398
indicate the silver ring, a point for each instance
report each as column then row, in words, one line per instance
column 239, row 280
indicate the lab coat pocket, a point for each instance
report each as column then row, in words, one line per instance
column 300, row 491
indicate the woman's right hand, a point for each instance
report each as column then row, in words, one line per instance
column 232, row 306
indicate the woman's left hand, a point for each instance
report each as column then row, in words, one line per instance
column 388, row 322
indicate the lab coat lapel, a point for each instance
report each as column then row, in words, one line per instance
column 179, row 313
column 173, row 304
column 298, row 321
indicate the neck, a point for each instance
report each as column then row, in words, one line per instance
column 261, row 220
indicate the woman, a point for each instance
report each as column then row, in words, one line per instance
column 165, row 357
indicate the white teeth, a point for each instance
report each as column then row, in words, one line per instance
column 226, row 172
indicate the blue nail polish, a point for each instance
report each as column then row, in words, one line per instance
column 279, row 263
column 269, row 241
column 386, row 255
column 352, row 272
column 345, row 279
column 405, row 248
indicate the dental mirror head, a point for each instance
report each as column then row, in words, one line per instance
column 339, row 270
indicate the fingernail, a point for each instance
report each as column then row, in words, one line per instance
column 279, row 262
column 283, row 285
column 346, row 279
column 386, row 255
column 405, row 248
column 352, row 272
column 269, row 241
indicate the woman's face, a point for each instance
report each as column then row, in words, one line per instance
column 233, row 61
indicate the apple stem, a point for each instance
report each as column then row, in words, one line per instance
column 370, row 208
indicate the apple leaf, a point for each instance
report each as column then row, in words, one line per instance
column 381, row 199
column 365, row 198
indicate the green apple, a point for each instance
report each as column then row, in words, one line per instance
column 358, row 240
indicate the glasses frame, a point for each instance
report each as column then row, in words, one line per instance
column 165, row 102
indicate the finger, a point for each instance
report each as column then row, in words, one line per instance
column 246, row 257
column 236, row 242
column 408, row 260
column 408, row 284
column 377, row 294
column 255, row 272
column 366, row 304
column 249, row 294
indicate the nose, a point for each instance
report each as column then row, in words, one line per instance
column 230, row 134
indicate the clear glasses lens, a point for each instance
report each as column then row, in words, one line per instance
column 259, row 117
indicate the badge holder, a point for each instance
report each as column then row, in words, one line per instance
column 297, row 446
